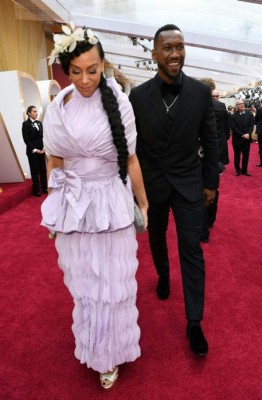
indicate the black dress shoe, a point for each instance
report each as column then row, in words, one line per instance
column 237, row 173
column 163, row 288
column 246, row 173
column 38, row 194
column 45, row 191
column 259, row 165
column 197, row 340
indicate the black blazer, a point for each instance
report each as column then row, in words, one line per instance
column 258, row 121
column 169, row 154
column 223, row 129
column 222, row 119
column 240, row 125
column 33, row 137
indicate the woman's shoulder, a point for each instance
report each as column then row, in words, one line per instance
column 67, row 98
column 57, row 105
column 27, row 123
column 63, row 96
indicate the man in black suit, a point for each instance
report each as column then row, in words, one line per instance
column 258, row 122
column 223, row 127
column 223, row 134
column 172, row 112
column 32, row 131
column 242, row 125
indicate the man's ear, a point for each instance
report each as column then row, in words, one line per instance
column 153, row 55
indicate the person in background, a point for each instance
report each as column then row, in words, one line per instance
column 32, row 131
column 230, row 109
column 223, row 133
column 242, row 124
column 172, row 112
column 258, row 122
column 94, row 174
column 120, row 84
column 223, row 128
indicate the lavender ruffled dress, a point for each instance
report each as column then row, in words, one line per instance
column 92, row 212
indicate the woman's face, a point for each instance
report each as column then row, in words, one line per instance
column 33, row 113
column 85, row 72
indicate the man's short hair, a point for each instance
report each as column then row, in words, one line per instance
column 209, row 82
column 168, row 27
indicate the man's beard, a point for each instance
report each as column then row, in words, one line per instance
column 167, row 73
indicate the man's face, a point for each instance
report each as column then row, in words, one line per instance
column 240, row 105
column 215, row 94
column 169, row 53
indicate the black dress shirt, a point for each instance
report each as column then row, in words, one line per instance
column 169, row 93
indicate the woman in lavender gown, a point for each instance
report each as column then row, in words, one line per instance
column 93, row 176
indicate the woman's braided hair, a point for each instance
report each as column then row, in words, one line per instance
column 118, row 131
column 109, row 102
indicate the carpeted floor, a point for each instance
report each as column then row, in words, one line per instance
column 13, row 193
column 37, row 345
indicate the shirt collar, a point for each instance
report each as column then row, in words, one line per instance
column 170, row 87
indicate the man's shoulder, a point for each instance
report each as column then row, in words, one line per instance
column 259, row 111
column 195, row 84
column 192, row 81
column 219, row 105
column 143, row 86
column 249, row 113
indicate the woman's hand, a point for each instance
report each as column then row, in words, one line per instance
column 138, row 188
column 145, row 216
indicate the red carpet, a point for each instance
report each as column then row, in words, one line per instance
column 37, row 345
column 14, row 193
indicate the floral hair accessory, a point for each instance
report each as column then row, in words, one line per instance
column 68, row 41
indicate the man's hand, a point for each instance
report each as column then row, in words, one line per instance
column 209, row 196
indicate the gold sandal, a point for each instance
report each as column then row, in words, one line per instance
column 108, row 379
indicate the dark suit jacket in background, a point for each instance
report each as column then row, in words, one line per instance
column 33, row 137
column 169, row 154
column 223, row 130
column 240, row 126
column 258, row 121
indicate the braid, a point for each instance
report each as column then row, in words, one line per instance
column 118, row 131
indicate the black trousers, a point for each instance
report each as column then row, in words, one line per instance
column 210, row 214
column 212, row 210
column 259, row 139
column 37, row 164
column 244, row 149
column 189, row 220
